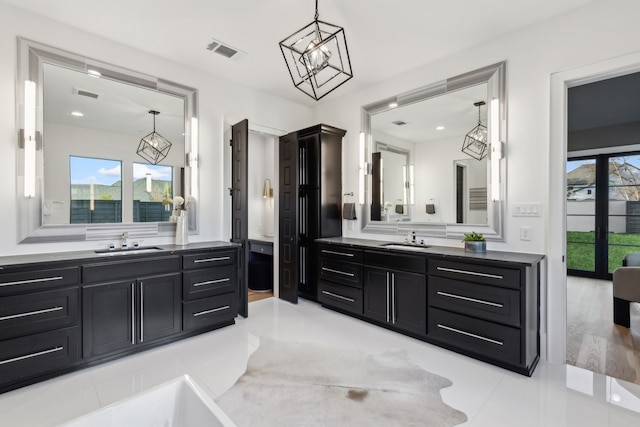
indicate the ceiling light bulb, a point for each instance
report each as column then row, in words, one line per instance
column 440, row 128
column 77, row 114
column 393, row 105
column 94, row 73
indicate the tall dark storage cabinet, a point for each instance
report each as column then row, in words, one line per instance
column 310, row 204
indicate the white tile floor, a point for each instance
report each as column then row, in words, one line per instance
column 556, row 395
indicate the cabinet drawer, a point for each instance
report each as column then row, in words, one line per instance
column 208, row 282
column 342, row 297
column 207, row 312
column 489, row 275
column 37, row 312
column 27, row 357
column 485, row 302
column 209, row 259
column 341, row 272
column 28, row 281
column 260, row 247
column 482, row 338
column 342, row 253
column 396, row 261
column 112, row 271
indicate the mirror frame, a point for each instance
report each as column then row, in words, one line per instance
column 31, row 57
column 494, row 76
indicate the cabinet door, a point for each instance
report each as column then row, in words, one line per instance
column 409, row 302
column 376, row 294
column 108, row 318
column 160, row 307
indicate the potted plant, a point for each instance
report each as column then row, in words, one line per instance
column 474, row 242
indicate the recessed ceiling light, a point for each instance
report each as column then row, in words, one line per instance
column 393, row 105
column 77, row 114
column 94, row 73
column 440, row 128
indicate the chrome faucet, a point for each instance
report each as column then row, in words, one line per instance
column 125, row 235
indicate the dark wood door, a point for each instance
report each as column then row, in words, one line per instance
column 288, row 218
column 239, row 203
column 160, row 307
column 376, row 294
column 409, row 302
column 108, row 318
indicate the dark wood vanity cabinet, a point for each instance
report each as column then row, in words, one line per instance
column 340, row 278
column 59, row 316
column 395, row 291
column 486, row 310
column 39, row 323
column 484, row 306
column 139, row 309
column 310, row 204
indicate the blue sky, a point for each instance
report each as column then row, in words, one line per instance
column 85, row 170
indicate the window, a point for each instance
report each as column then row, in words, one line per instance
column 96, row 190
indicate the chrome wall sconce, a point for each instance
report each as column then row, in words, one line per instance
column 317, row 58
column 475, row 142
column 154, row 147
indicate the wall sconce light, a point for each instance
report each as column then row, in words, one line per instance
column 194, row 158
column 154, row 147
column 149, row 183
column 475, row 142
column 408, row 180
column 317, row 58
column 28, row 139
column 362, row 170
column 496, row 149
column 267, row 190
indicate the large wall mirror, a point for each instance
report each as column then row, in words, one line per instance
column 93, row 180
column 425, row 173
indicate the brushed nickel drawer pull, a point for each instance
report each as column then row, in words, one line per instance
column 211, row 282
column 331, row 294
column 344, row 273
column 469, row 334
column 213, row 310
column 29, row 356
column 222, row 258
column 326, row 251
column 24, row 282
column 472, row 273
column 32, row 313
column 479, row 301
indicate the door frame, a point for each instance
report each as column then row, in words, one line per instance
column 554, row 291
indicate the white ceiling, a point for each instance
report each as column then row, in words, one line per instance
column 384, row 37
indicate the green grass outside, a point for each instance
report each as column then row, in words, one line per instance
column 581, row 251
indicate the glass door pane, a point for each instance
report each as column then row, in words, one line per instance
column 624, row 208
column 581, row 214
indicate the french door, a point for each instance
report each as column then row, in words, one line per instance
column 603, row 212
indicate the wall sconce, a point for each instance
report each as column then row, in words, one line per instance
column 194, row 157
column 148, row 182
column 28, row 139
column 267, row 190
column 496, row 149
column 408, row 179
column 317, row 58
column 362, row 170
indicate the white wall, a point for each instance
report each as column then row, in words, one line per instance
column 596, row 32
column 261, row 167
column 217, row 98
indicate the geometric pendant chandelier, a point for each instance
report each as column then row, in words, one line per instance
column 154, row 147
column 475, row 142
column 317, row 58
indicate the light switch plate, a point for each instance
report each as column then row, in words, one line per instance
column 526, row 209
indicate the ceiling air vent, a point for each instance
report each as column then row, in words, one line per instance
column 81, row 92
column 225, row 50
column 399, row 123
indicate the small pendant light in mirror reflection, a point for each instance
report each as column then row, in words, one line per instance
column 475, row 142
column 154, row 147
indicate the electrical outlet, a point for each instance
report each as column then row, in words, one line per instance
column 525, row 232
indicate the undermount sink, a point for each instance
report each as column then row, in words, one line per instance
column 132, row 250
column 404, row 247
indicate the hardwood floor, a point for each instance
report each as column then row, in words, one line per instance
column 594, row 342
column 255, row 296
